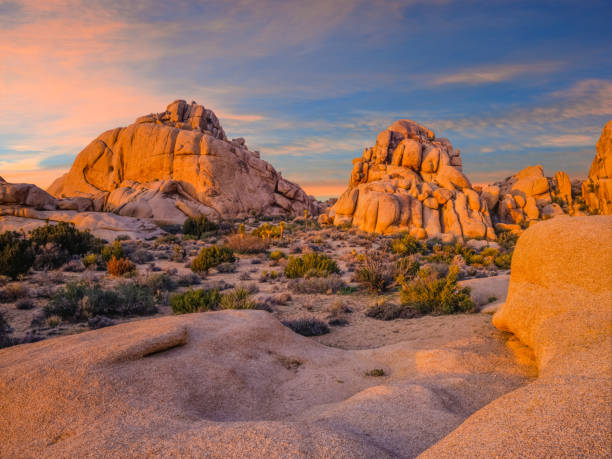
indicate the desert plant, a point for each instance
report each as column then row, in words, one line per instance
column 239, row 298
column 244, row 243
column 136, row 299
column 307, row 326
column 13, row 292
column 140, row 256
column 377, row 273
column 24, row 303
column 159, row 283
column 429, row 294
column 195, row 301
column 119, row 266
column 504, row 261
column 226, row 268
column 311, row 265
column 507, row 239
column 109, row 251
column 209, row 257
column 276, row 255
column 375, row 372
column 267, row 231
column 67, row 237
column 406, row 245
column 16, row 254
column 385, row 310
column 324, row 285
column 199, row 227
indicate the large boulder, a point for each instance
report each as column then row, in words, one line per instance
column 597, row 189
column 178, row 163
column 560, row 305
column 410, row 181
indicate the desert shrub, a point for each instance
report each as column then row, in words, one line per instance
column 507, row 239
column 384, row 310
column 377, row 372
column 119, row 266
column 338, row 308
column 12, row 292
column 268, row 231
column 114, row 250
column 195, row 301
column 212, row 256
column 185, row 280
column 239, row 298
column 503, row 261
column 24, row 303
column 67, row 237
column 94, row 261
column 276, row 255
column 140, row 256
column 136, row 299
column 314, row 285
column 310, row 265
column 429, row 294
column 199, row 227
column 178, row 253
column 266, row 275
column 159, row 283
column 80, row 301
column 16, row 254
column 226, row 268
column 244, row 243
column 377, row 273
column 307, row 326
column 406, row 245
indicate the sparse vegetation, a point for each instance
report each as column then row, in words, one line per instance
column 120, row 266
column 310, row 265
column 56, row 244
column 322, row 285
column 244, row 243
column 199, row 227
column 376, row 372
column 212, row 256
column 195, row 301
column 16, row 254
column 307, row 326
column 239, row 298
column 429, row 294
column 407, row 245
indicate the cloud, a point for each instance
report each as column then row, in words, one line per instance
column 494, row 73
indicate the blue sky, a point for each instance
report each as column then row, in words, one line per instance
column 310, row 84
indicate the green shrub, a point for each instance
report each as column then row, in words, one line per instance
column 199, row 226
column 507, row 239
column 430, row 295
column 80, row 301
column 159, row 283
column 267, row 231
column 311, row 265
column 406, row 245
column 209, row 257
column 239, row 298
column 276, row 255
column 110, row 251
column 503, row 261
column 377, row 372
column 66, row 236
column 16, row 254
column 195, row 301
column 307, row 326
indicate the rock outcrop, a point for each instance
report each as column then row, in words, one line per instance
column 24, row 206
column 175, row 164
column 597, row 189
column 559, row 304
column 528, row 196
column 411, row 181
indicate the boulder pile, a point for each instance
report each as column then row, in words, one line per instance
column 412, row 181
column 597, row 189
column 179, row 163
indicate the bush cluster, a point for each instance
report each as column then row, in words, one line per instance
column 407, row 245
column 16, row 254
column 310, row 265
column 80, row 301
column 212, row 256
column 199, row 227
column 428, row 294
column 313, row 285
column 119, row 266
column 202, row 300
column 268, row 231
column 245, row 243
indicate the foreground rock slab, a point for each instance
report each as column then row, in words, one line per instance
column 240, row 384
column 560, row 304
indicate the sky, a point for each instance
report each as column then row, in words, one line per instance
column 310, row 84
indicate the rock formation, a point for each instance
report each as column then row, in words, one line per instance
column 528, row 196
column 560, row 304
column 597, row 189
column 179, row 163
column 411, row 181
column 24, row 206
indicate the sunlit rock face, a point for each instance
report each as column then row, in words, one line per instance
column 179, row 163
column 597, row 189
column 410, row 181
column 528, row 196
